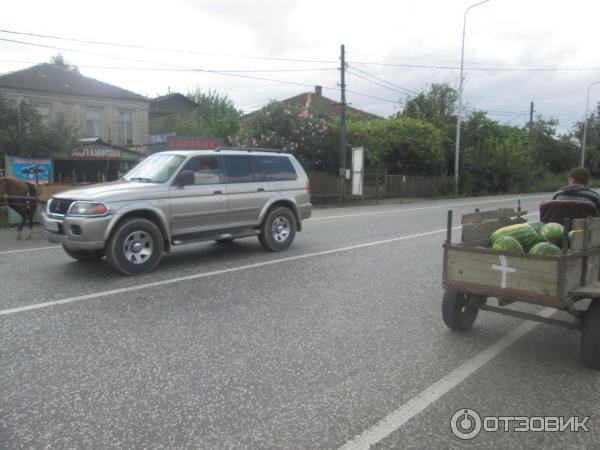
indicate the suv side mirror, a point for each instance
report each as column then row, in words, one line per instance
column 185, row 178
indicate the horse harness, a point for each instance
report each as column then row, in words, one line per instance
column 30, row 198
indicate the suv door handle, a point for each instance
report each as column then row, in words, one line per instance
column 260, row 190
column 218, row 192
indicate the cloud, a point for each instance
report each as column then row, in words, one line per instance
column 268, row 21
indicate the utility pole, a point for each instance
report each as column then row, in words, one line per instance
column 342, row 174
column 531, row 125
column 460, row 97
column 530, row 118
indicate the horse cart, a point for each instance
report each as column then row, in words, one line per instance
column 474, row 273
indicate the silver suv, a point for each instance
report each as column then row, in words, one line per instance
column 179, row 197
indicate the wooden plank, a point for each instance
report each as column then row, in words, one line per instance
column 579, row 224
column 483, row 230
column 572, row 275
column 518, row 296
column 576, row 241
column 501, row 213
column 504, row 272
column 591, row 291
column 593, row 270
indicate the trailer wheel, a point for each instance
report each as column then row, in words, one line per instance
column 458, row 311
column 590, row 335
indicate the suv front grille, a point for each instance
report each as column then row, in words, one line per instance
column 59, row 206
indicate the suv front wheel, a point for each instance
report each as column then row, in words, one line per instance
column 278, row 230
column 136, row 246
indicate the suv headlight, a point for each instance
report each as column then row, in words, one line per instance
column 88, row 209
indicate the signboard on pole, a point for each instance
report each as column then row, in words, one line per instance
column 35, row 171
column 358, row 162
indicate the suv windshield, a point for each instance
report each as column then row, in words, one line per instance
column 155, row 169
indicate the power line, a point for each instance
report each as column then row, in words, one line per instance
column 403, row 92
column 397, row 102
column 483, row 69
column 452, row 61
column 171, row 67
column 376, row 83
column 156, row 69
column 496, row 113
column 401, row 88
column 162, row 49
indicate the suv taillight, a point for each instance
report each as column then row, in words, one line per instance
column 308, row 185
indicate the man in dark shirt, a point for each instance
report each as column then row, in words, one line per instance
column 576, row 189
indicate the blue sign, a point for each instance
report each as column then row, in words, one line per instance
column 37, row 171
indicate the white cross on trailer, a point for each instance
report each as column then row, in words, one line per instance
column 474, row 272
column 503, row 267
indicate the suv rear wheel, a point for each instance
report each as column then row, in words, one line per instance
column 278, row 230
column 136, row 246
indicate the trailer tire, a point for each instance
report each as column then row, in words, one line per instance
column 590, row 335
column 458, row 313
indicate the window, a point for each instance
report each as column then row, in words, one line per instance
column 205, row 168
column 241, row 169
column 156, row 168
column 44, row 110
column 277, row 168
column 93, row 122
column 125, row 123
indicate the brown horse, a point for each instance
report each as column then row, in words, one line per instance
column 21, row 197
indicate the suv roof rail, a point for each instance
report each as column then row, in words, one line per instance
column 248, row 149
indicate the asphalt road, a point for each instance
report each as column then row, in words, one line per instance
column 337, row 341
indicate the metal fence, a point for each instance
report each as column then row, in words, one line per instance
column 378, row 184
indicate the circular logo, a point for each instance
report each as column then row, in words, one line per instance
column 465, row 424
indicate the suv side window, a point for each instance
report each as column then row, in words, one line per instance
column 277, row 168
column 205, row 168
column 241, row 169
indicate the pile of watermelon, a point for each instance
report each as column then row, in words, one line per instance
column 535, row 238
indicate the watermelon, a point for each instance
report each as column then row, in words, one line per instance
column 507, row 244
column 522, row 232
column 545, row 248
column 552, row 232
column 536, row 225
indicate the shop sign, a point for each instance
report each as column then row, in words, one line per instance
column 32, row 170
column 96, row 153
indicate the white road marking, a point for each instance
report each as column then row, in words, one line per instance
column 400, row 210
column 425, row 398
column 503, row 267
column 215, row 272
column 35, row 249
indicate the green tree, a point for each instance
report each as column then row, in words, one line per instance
column 555, row 153
column 407, row 146
column 215, row 116
column 437, row 107
column 60, row 61
column 22, row 131
column 496, row 158
column 592, row 142
column 309, row 136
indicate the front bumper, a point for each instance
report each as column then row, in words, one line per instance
column 76, row 233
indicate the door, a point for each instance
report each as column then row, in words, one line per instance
column 247, row 189
column 202, row 206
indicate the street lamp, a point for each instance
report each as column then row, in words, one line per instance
column 460, row 89
column 587, row 105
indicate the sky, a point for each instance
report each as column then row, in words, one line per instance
column 516, row 51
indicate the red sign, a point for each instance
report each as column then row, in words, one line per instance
column 96, row 153
column 192, row 143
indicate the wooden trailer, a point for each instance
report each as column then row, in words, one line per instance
column 473, row 273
